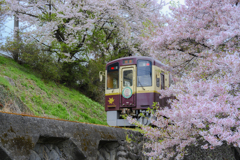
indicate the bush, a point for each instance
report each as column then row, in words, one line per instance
column 82, row 75
column 44, row 64
column 29, row 54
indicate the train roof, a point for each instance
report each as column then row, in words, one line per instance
column 135, row 58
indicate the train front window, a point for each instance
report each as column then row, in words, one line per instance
column 144, row 73
column 127, row 78
column 113, row 76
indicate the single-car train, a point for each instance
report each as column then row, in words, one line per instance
column 132, row 84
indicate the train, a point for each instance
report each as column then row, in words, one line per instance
column 132, row 85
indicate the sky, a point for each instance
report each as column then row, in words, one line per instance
column 8, row 31
column 8, row 28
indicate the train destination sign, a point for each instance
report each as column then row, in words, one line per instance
column 127, row 61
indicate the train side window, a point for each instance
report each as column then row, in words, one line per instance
column 113, row 76
column 112, row 80
column 162, row 81
column 144, row 73
column 157, row 81
column 127, row 78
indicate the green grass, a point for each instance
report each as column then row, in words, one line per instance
column 48, row 98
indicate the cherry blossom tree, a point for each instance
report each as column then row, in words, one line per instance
column 200, row 41
column 3, row 10
column 82, row 34
column 74, row 28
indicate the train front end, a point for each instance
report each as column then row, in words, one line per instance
column 129, row 89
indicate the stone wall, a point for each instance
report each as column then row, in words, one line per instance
column 32, row 138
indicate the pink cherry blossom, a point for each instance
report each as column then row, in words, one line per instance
column 43, row 18
column 201, row 43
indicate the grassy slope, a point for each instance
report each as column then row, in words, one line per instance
column 49, row 99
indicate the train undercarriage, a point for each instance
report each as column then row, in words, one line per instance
column 116, row 118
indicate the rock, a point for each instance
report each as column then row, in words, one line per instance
column 121, row 142
column 121, row 148
column 112, row 154
column 223, row 152
column 104, row 154
column 122, row 154
column 133, row 156
column 11, row 103
column 42, row 151
column 50, row 146
column 121, row 158
column 34, row 156
column 133, row 148
column 46, row 152
column 10, row 81
column 57, row 150
column 53, row 155
column 100, row 157
column 11, row 107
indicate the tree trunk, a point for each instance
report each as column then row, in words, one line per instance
column 16, row 37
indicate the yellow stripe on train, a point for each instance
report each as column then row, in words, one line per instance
column 111, row 94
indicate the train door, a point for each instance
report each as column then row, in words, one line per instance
column 128, row 87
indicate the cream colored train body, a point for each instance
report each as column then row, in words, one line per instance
column 132, row 84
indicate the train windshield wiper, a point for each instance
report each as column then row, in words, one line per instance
column 140, row 84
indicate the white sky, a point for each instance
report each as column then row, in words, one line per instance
column 8, row 28
column 8, row 31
